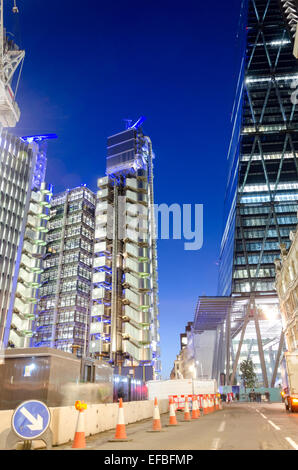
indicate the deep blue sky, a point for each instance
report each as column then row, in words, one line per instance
column 91, row 64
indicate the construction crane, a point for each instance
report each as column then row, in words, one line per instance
column 11, row 57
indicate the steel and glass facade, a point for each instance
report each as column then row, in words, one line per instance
column 33, row 249
column 24, row 202
column 262, row 191
column 124, row 327
column 65, row 292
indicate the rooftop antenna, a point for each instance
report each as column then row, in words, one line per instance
column 138, row 123
column 127, row 123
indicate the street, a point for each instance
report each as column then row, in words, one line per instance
column 239, row 426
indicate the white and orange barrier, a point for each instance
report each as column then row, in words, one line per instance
column 230, row 397
column 179, row 401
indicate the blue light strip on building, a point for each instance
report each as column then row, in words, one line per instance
column 38, row 138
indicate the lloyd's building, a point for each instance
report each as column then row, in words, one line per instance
column 124, row 314
column 261, row 198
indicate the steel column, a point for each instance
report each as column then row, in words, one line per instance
column 260, row 347
column 246, row 320
column 281, row 343
column 228, row 344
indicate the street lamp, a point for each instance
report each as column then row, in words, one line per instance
column 193, row 371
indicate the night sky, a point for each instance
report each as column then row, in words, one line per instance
column 91, row 64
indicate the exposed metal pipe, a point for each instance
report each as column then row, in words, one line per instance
column 113, row 346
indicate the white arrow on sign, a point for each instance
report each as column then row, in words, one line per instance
column 36, row 423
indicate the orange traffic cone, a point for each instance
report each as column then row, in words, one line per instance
column 208, row 404
column 216, row 403
column 198, row 408
column 120, row 434
column 194, row 413
column 156, row 418
column 173, row 420
column 205, row 405
column 79, row 439
column 212, row 403
column 199, row 402
column 186, row 410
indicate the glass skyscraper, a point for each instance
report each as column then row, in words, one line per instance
column 262, row 191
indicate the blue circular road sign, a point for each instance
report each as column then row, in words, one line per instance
column 31, row 419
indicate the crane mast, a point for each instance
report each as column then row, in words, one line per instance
column 10, row 59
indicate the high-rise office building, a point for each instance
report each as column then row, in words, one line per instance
column 30, row 269
column 65, row 293
column 262, row 191
column 24, row 202
column 124, row 327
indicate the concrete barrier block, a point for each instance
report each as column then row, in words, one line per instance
column 98, row 418
column 5, row 419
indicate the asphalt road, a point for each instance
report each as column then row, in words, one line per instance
column 238, row 426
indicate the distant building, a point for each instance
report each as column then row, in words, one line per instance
column 24, row 203
column 124, row 327
column 177, row 371
column 287, row 288
column 195, row 356
column 65, row 293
